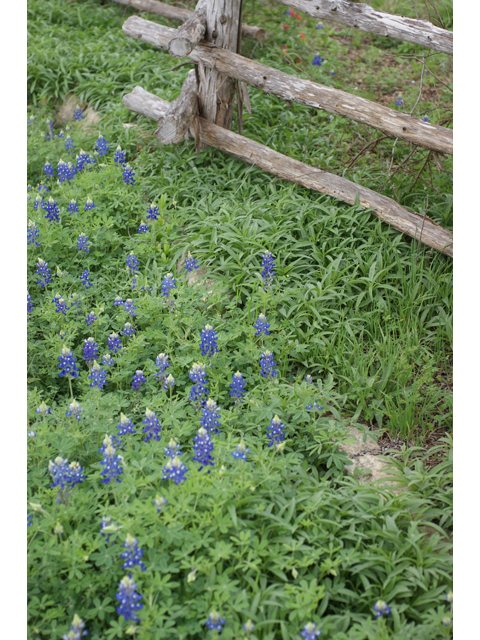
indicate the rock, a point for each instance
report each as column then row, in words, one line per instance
column 357, row 445
column 65, row 113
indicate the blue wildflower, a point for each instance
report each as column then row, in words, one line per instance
column 161, row 362
column 143, row 228
column 275, row 430
column 168, row 283
column 152, row 212
column 238, row 387
column 38, row 201
column 78, row 114
column 62, row 334
column 67, row 364
column 83, row 159
column 173, row 449
column 65, row 477
column 43, row 409
column 118, row 302
column 198, row 375
column 60, row 305
column 82, row 243
column 51, row 207
column 446, row 621
column 174, row 470
column 107, row 527
column 268, row 272
column 29, row 518
column 169, row 383
column 152, row 426
column 44, row 272
column 215, row 621
column 48, row 169
column 128, row 599
column 119, row 157
column 203, row 447
column 90, row 319
column 160, row 502
column 31, row 434
column 426, row 119
column 399, row 102
column 61, row 134
column 138, row 379
column 63, row 172
column 314, row 405
column 132, row 263
column 133, row 554
column 112, row 469
column 262, row 326
column 128, row 175
column 114, row 343
column 77, row 630
column 268, row 364
column 449, row 597
column 90, row 350
column 85, row 278
column 241, row 451
column 74, row 410
column 317, row 60
column 380, row 608
column 101, row 145
column 190, row 263
column 319, row 26
column 310, row 631
column 128, row 330
column 98, row 376
column 210, row 419
column 129, row 307
column 108, row 360
column 72, row 206
column 29, row 303
column 208, row 341
column 125, row 426
column 89, row 205
column 69, row 144
column 32, row 233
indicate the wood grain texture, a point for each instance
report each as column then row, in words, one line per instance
column 189, row 33
column 365, row 18
column 412, row 224
column 393, row 123
column 177, row 13
column 179, row 116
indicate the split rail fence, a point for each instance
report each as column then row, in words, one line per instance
column 210, row 36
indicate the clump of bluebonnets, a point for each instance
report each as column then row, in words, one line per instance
column 173, row 449
column 160, row 502
column 119, row 157
column 82, row 243
column 128, row 175
column 73, row 207
column 112, row 462
column 65, row 476
column 52, row 209
column 48, row 169
column 33, row 233
column 77, row 629
column 133, row 554
column 169, row 383
column 78, row 114
column 29, row 303
column 69, row 144
column 199, row 391
column 276, row 430
column 43, row 409
column 152, row 427
column 101, row 145
column 161, row 362
column 241, row 451
column 190, row 263
column 74, row 410
column 210, row 419
column 132, row 263
column 128, row 598
column 215, row 622
column 310, row 631
column 85, row 278
column 237, row 385
column 89, row 205
column 108, row 360
column 98, row 376
column 138, row 379
column 129, row 307
column 143, row 228
column 268, row 272
column 128, row 330
column 114, row 342
column 125, row 426
column 268, row 365
column 203, row 447
column 67, row 364
column 175, row 470
column 91, row 318
column 262, row 326
column 168, row 284
column 152, row 212
column 380, row 608
column 90, row 350
column 208, row 341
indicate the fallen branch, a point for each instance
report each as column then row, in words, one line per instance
column 176, row 13
column 145, row 103
column 365, row 18
column 392, row 123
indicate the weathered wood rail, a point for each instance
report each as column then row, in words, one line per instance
column 365, row 18
column 393, row 123
column 414, row 225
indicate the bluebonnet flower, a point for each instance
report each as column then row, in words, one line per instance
column 126, row 425
column 143, row 228
column 203, row 447
column 78, row 114
column 69, row 144
column 112, row 469
column 42, row 187
column 60, row 305
column 134, row 283
column 128, row 330
column 63, row 172
column 44, row 272
column 74, row 409
column 128, row 599
column 85, row 278
column 107, row 527
column 58, row 528
column 310, row 631
column 90, row 350
column 29, row 303
column 161, row 362
column 32, row 233
column 173, row 449
column 190, row 263
column 160, row 501
column 314, row 405
column 152, row 212
column 317, row 60
column 174, row 470
column 61, row 134
column 238, row 387
column 275, row 430
column 208, row 341
column 72, row 206
column 380, row 608
column 169, row 383
column 248, row 627
column 62, row 334
column 101, row 145
column 31, row 434
column 449, row 597
column 64, row 476
column 399, row 102
column 128, row 174
column 29, row 518
column 129, row 308
column 268, row 272
column 83, row 159
column 262, row 326
column 268, row 364
column 118, row 302
column 89, row 205
column 132, row 554
column 152, row 426
column 426, row 119
column 168, row 283
column 319, row 26
column 210, row 417
column 77, row 630
column 114, row 343
column 119, row 157
column 91, row 317
column 43, row 409
column 48, row 169
column 82, row 243
column 132, row 263
column 446, row 621
column 67, row 364
column 138, row 379
column 51, row 207
column 215, row 621
column 98, row 376
column 38, row 201
column 241, row 451
column 198, row 375
column 108, row 360
column 309, row 379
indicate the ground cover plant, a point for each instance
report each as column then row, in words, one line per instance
column 184, row 473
